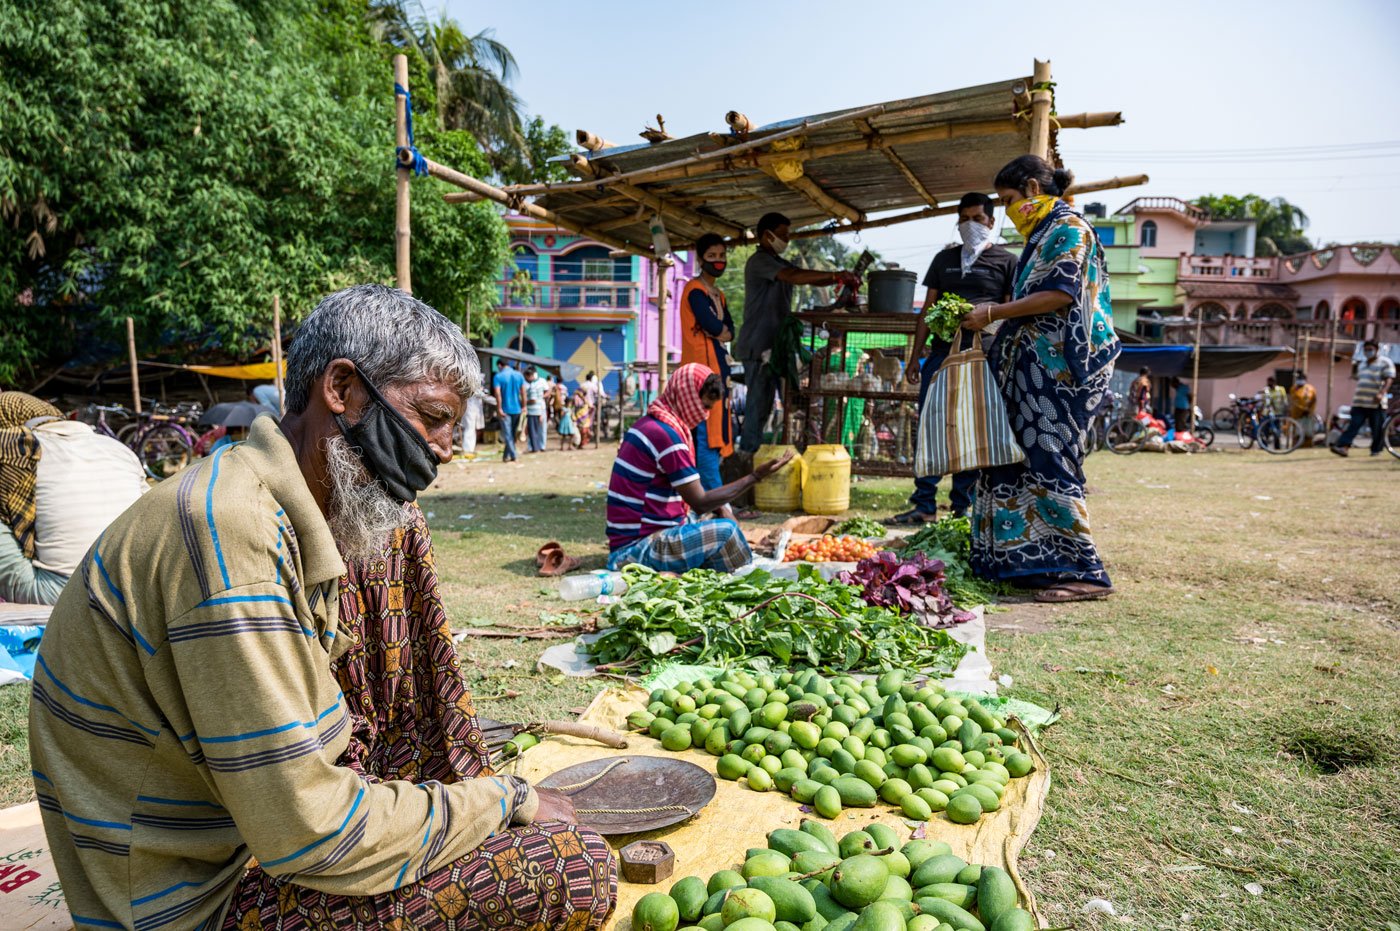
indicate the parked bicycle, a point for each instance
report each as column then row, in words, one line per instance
column 1392, row 435
column 1274, row 434
column 161, row 437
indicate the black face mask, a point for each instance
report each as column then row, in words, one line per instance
column 394, row 452
column 713, row 268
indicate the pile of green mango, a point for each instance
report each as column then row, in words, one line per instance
column 841, row 743
column 805, row 880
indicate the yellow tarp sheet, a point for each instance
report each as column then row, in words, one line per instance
column 257, row 371
column 739, row 818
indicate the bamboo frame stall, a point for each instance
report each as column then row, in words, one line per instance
column 842, row 171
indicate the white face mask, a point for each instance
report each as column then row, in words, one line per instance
column 777, row 244
column 974, row 235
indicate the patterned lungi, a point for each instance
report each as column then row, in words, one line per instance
column 704, row 544
column 413, row 719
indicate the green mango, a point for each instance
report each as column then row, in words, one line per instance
column 957, row 893
column 996, row 894
column 827, row 802
column 883, row 835
column 942, row 868
column 809, row 861
column 724, row 879
column 804, row 790
column 918, row 852
column 854, row 793
column 960, row 918
column 656, row 911
column 969, row 875
column 859, row 881
column 821, row 832
column 768, row 863
column 827, row 907
column 879, row 916
column 1014, row 919
column 689, row 895
column 748, row 903
column 897, row 887
column 856, row 842
column 790, row 843
column 792, row 902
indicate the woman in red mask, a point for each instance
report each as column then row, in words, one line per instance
column 705, row 327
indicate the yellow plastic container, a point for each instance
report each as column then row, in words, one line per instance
column 826, row 487
column 781, row 491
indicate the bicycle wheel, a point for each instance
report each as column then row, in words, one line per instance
column 1246, row 431
column 1205, row 434
column 127, row 435
column 164, row 449
column 1280, row 435
column 1392, row 435
column 1126, row 436
column 1225, row 419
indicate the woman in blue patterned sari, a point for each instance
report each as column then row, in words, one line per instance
column 1053, row 358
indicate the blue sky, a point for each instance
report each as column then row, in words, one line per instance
column 1284, row 98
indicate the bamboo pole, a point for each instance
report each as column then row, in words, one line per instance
column 1331, row 361
column 684, row 165
column 591, row 142
column 403, row 277
column 662, row 360
column 1088, row 120
column 277, row 378
column 738, row 123
column 135, row 370
column 694, row 218
column 1196, row 372
column 491, row 192
column 819, row 196
column 1041, row 100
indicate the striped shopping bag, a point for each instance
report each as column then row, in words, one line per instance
column 963, row 424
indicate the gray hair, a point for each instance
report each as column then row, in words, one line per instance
column 392, row 337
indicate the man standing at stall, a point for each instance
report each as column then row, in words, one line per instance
column 979, row 271
column 768, row 282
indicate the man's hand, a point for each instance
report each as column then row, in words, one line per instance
column 554, row 806
column 772, row 465
column 912, row 372
column 849, row 279
column 725, row 513
column 725, row 335
column 978, row 317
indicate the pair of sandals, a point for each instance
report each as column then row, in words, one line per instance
column 552, row 561
column 1066, row 592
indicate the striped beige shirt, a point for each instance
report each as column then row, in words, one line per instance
column 185, row 716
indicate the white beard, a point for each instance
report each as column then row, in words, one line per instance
column 362, row 513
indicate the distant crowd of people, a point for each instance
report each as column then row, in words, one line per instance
column 529, row 404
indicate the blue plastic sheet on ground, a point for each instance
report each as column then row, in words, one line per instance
column 19, row 645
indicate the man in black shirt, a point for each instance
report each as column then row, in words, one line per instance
column 978, row 271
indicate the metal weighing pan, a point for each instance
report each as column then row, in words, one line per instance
column 630, row 794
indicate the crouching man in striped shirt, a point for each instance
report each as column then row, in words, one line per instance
column 184, row 715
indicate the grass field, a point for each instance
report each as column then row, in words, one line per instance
column 1230, row 718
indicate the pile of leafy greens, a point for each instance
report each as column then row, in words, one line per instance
column 912, row 585
column 862, row 527
column 950, row 541
column 946, row 315
column 715, row 618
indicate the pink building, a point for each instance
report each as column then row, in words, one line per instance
column 1319, row 304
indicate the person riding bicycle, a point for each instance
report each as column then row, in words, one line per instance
column 61, row 484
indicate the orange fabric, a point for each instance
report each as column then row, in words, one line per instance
column 699, row 347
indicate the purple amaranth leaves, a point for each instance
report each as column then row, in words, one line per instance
column 912, row 586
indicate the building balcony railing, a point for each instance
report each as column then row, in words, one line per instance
column 1226, row 268
column 1270, row 332
column 1166, row 203
column 514, row 294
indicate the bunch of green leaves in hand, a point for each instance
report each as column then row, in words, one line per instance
column 946, row 316
column 715, row 618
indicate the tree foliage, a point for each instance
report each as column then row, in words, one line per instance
column 1280, row 223
column 464, row 80
column 181, row 163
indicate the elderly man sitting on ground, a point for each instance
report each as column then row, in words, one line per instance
column 655, row 486
column 61, row 484
column 185, row 717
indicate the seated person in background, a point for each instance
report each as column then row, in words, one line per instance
column 655, row 486
column 178, row 729
column 61, row 484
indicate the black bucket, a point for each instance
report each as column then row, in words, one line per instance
column 891, row 291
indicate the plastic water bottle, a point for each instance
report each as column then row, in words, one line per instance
column 592, row 585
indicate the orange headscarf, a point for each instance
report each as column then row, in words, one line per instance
column 679, row 405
